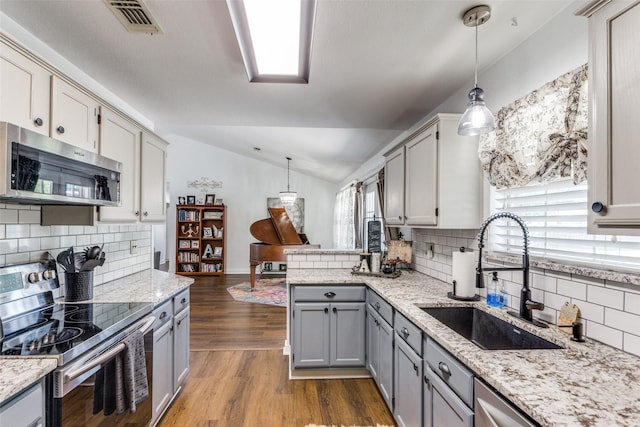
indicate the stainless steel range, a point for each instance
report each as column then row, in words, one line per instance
column 85, row 338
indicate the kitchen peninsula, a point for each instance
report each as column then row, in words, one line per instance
column 582, row 384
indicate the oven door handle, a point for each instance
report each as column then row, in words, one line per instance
column 107, row 355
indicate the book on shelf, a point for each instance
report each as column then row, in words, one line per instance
column 188, row 215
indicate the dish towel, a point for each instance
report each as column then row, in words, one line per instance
column 132, row 386
column 104, row 390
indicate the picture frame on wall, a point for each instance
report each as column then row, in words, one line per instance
column 191, row 200
column 210, row 199
column 182, row 200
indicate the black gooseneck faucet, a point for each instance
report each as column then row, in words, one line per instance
column 526, row 304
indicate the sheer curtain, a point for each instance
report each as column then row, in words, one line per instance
column 344, row 216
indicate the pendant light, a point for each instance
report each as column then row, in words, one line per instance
column 477, row 119
column 288, row 197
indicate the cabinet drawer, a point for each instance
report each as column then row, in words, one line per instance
column 181, row 301
column 163, row 314
column 408, row 332
column 453, row 373
column 382, row 307
column 328, row 293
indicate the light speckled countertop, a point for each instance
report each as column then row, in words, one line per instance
column 17, row 373
column 584, row 384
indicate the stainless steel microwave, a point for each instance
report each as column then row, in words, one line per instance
column 36, row 169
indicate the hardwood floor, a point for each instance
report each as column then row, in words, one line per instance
column 239, row 376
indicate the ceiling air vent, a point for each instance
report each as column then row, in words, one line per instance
column 134, row 15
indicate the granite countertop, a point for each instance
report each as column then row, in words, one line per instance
column 17, row 373
column 583, row 384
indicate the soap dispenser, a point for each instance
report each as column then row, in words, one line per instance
column 496, row 293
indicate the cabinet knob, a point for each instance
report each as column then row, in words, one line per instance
column 599, row 208
column 137, row 213
column 404, row 331
column 377, row 306
column 400, row 217
column 335, row 310
column 163, row 315
column 329, row 294
column 183, row 301
column 146, row 213
column 38, row 122
column 426, row 380
column 60, row 129
column 444, row 368
column 326, row 310
column 415, row 368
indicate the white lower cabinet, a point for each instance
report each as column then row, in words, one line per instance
column 170, row 351
column 27, row 409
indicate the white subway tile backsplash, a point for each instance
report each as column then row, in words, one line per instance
column 606, row 297
column 622, row 321
column 14, row 231
column 545, row 283
column 590, row 311
column 632, row 303
column 554, row 301
column 8, row 246
column 28, row 245
column 605, row 334
column 572, row 289
column 631, row 343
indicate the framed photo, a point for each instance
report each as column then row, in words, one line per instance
column 217, row 251
column 282, row 267
column 207, row 232
column 200, row 201
column 184, row 244
column 191, row 200
column 195, row 244
column 210, row 199
column 219, row 202
column 182, row 200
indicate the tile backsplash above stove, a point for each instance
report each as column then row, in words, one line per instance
column 23, row 240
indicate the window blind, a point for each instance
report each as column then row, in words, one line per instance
column 556, row 216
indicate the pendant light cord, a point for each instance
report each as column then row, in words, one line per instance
column 288, row 161
column 475, row 82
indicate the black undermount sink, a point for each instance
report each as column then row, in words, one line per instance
column 487, row 331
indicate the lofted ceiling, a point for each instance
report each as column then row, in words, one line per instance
column 377, row 67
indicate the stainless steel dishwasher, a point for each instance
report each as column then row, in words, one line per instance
column 491, row 410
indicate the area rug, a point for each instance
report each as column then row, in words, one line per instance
column 266, row 291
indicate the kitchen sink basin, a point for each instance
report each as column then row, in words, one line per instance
column 487, row 331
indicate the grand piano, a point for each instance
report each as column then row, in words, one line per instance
column 276, row 234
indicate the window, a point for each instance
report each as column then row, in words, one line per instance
column 556, row 216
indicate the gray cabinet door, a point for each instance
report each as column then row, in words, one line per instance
column 348, row 334
column 311, row 333
column 442, row 407
column 181, row 347
column 385, row 363
column 162, row 368
column 407, row 385
column 373, row 344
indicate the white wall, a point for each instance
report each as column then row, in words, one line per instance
column 247, row 183
column 558, row 47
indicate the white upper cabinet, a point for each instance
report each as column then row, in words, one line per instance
column 394, row 187
column 143, row 176
column 120, row 140
column 614, row 144
column 153, row 165
column 25, row 88
column 74, row 115
column 433, row 179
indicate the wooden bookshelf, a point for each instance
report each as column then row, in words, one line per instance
column 201, row 233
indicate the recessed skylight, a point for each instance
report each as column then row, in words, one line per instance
column 275, row 38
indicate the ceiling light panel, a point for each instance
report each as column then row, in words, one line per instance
column 275, row 38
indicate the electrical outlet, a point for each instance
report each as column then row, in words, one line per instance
column 430, row 250
column 133, row 248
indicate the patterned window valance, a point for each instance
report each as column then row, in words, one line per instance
column 540, row 136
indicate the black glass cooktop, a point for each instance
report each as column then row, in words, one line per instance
column 61, row 328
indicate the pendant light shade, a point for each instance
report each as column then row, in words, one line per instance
column 477, row 119
column 288, row 197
